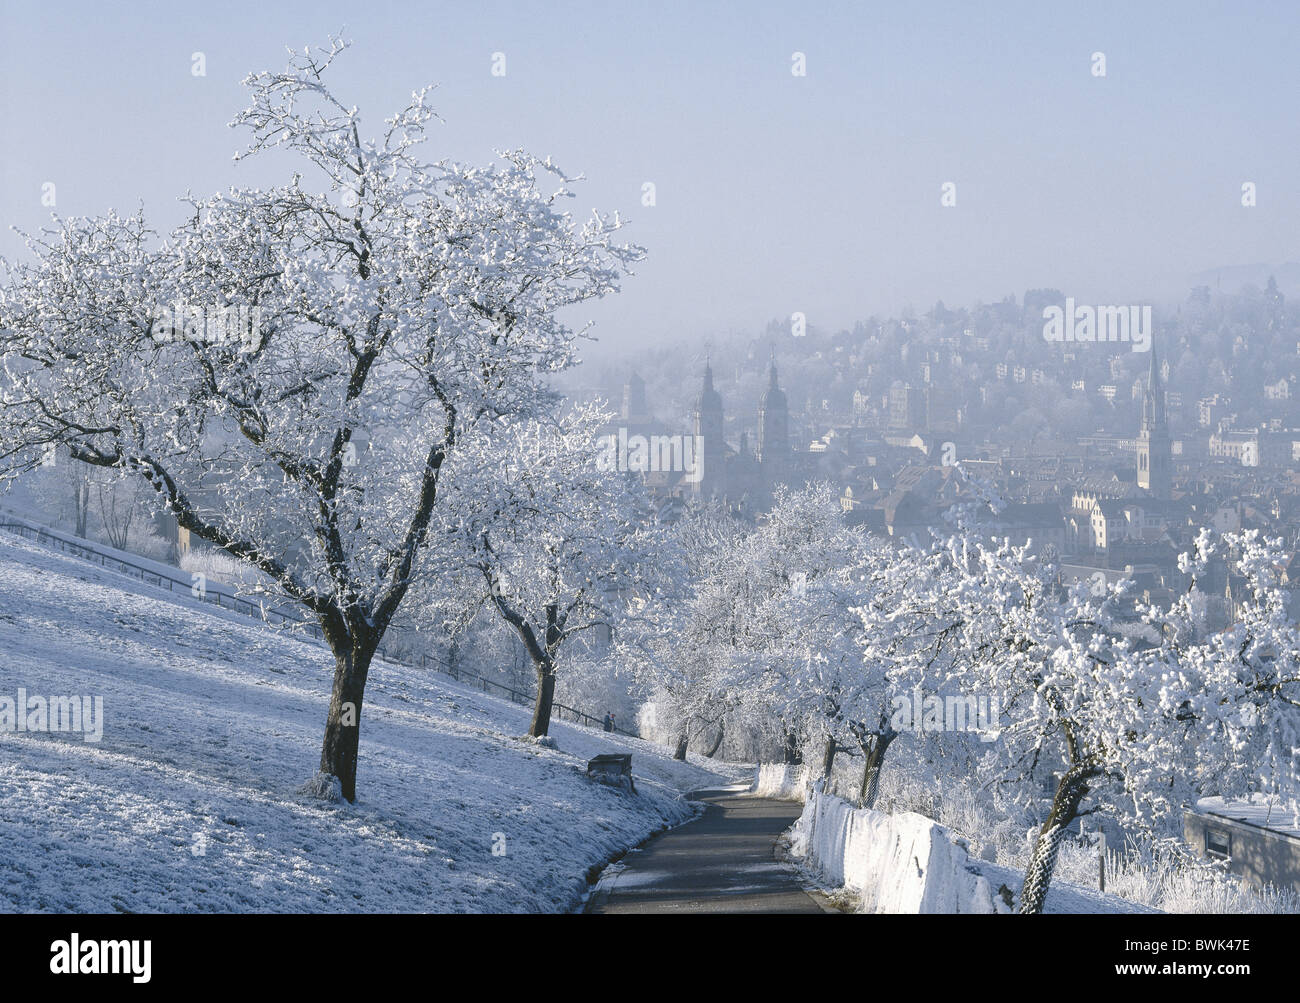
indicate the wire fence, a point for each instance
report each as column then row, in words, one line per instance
column 259, row 611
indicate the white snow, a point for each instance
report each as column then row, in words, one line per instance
column 191, row 801
column 901, row 863
column 785, row 783
column 1258, row 810
column 907, row 863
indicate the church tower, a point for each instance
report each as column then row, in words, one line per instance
column 1154, row 452
column 773, row 432
column 709, row 440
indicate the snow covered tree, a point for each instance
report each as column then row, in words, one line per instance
column 563, row 546
column 770, row 632
column 78, row 478
column 669, row 645
column 907, row 642
column 291, row 369
column 805, row 574
column 1132, row 710
column 1239, row 685
column 120, row 500
column 1050, row 658
column 835, row 618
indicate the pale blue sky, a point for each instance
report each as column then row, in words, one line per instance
column 775, row 193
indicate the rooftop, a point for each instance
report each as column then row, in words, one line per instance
column 1260, row 811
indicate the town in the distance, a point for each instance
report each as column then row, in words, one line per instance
column 1104, row 458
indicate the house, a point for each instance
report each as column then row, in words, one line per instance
column 1259, row 838
column 1041, row 524
column 1110, row 522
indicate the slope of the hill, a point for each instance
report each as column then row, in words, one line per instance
column 212, row 723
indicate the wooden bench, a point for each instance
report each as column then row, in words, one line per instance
column 612, row 768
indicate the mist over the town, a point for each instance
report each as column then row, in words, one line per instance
column 649, row 458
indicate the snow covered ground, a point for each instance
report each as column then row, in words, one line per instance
column 905, row 862
column 211, row 725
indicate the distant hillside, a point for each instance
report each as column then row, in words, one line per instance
column 1230, row 278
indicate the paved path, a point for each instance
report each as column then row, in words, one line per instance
column 720, row 862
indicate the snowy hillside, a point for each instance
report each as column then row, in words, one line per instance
column 211, row 725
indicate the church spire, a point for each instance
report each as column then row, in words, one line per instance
column 1153, row 401
column 709, row 440
column 1154, row 450
column 773, row 430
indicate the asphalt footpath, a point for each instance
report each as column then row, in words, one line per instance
column 723, row 861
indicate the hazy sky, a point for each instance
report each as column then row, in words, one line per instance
column 775, row 193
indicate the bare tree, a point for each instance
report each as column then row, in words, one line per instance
column 120, row 502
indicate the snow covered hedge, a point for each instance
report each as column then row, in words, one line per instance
column 907, row 863
column 896, row 863
column 777, row 780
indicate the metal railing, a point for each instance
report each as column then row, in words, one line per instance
column 256, row 611
column 43, row 537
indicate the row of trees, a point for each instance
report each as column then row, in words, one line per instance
column 822, row 638
column 89, row 501
column 409, row 319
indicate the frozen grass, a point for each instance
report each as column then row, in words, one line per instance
column 1173, row 883
column 1000, row 834
column 200, row 797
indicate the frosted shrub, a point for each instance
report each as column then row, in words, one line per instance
column 218, row 566
column 1178, row 884
column 1166, row 880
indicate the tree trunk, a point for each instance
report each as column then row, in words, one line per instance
column 541, row 654
column 828, row 760
column 81, row 504
column 680, row 751
column 541, row 723
column 875, row 758
column 1070, row 792
column 716, row 745
column 338, row 754
column 791, row 749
